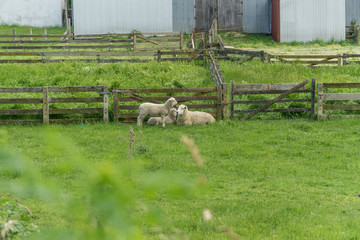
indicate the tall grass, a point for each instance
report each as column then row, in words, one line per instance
column 265, row 180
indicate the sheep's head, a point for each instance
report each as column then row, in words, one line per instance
column 181, row 110
column 172, row 101
column 172, row 113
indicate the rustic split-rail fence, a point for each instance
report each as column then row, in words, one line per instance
column 239, row 101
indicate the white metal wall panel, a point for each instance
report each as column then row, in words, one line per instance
column 257, row 16
column 122, row 16
column 36, row 13
column 352, row 11
column 309, row 20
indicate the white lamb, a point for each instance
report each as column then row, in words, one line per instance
column 169, row 119
column 186, row 117
column 155, row 110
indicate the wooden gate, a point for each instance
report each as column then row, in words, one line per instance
column 338, row 99
column 250, row 98
column 127, row 101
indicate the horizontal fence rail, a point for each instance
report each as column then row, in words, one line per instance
column 238, row 92
column 44, row 104
column 127, row 101
column 340, row 102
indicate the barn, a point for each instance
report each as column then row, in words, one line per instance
column 36, row 13
column 124, row 16
column 352, row 11
column 308, row 20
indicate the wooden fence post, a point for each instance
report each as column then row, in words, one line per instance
column 181, row 40
column 225, row 100
column 356, row 34
column 116, row 104
column 110, row 43
column 46, row 118
column 218, row 103
column 159, row 56
column 232, row 99
column 320, row 101
column 106, row 105
column 312, row 115
column 340, row 60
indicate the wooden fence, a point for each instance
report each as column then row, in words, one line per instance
column 337, row 100
column 127, row 101
column 43, row 104
column 111, row 42
column 352, row 33
column 285, row 89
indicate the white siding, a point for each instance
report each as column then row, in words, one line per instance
column 122, row 16
column 36, row 13
column 309, row 20
column 352, row 11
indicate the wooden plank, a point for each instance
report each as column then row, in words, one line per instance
column 33, row 36
column 99, row 53
column 77, row 89
column 19, row 54
column 75, row 110
column 218, row 103
column 21, row 111
column 308, row 56
column 164, row 98
column 166, row 90
column 265, row 87
column 46, row 105
column 288, row 92
column 341, row 96
column 20, row 89
column 267, row 101
column 353, row 107
column 75, row 120
column 27, row 121
column 20, row 100
column 65, row 47
column 341, row 85
column 268, row 92
column 273, row 110
column 75, row 100
column 21, row 61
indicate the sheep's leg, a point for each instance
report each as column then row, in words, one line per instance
column 140, row 120
column 163, row 120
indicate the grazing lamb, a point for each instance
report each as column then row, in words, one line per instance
column 169, row 119
column 186, row 117
column 155, row 110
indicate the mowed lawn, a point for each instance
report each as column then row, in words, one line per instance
column 264, row 179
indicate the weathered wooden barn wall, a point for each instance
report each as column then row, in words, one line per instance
column 183, row 16
column 309, row 20
column 257, row 16
column 352, row 11
column 122, row 16
column 230, row 14
column 205, row 13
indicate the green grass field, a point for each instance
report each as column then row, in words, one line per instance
column 259, row 180
column 265, row 180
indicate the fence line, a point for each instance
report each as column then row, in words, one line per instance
column 127, row 101
column 285, row 89
column 323, row 97
column 47, row 101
